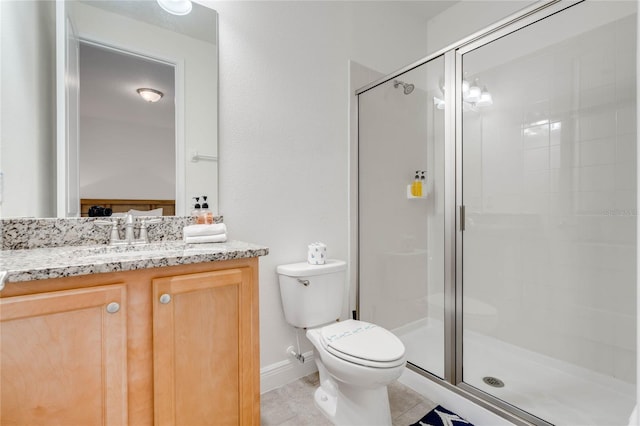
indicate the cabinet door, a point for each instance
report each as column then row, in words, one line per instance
column 204, row 360
column 63, row 357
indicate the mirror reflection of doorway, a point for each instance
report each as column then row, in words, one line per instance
column 120, row 131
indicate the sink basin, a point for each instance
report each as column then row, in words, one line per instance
column 132, row 252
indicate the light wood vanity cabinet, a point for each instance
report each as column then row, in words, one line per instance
column 64, row 357
column 202, row 350
column 181, row 347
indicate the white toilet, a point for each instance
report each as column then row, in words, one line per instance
column 356, row 359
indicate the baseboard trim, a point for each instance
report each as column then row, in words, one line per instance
column 286, row 371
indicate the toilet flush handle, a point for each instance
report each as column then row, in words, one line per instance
column 304, row 282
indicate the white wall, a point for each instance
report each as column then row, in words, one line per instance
column 401, row 238
column 27, row 115
column 467, row 17
column 635, row 417
column 284, row 108
column 109, row 148
column 396, row 139
column 200, row 108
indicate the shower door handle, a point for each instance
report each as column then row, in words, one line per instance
column 462, row 218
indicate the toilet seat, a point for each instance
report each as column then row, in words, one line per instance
column 363, row 343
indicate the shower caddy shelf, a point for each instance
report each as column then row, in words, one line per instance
column 413, row 197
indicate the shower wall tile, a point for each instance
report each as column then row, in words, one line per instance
column 536, row 136
column 504, row 139
column 626, row 202
column 623, row 330
column 536, row 181
column 555, row 138
column 536, row 103
column 536, row 159
column 555, row 157
column 626, row 119
column 597, row 97
column 593, row 202
column 597, row 152
column 554, row 191
column 609, row 291
column 625, row 91
column 626, row 147
column 597, row 124
column 534, row 203
column 503, row 175
column 597, row 178
column 596, row 69
column 625, row 176
column 410, row 251
column 563, row 101
column 502, row 202
column 616, row 229
column 560, row 182
column 624, row 364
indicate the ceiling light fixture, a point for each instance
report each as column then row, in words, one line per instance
column 150, row 95
column 465, row 86
column 485, row 98
column 474, row 92
column 176, row 7
column 472, row 96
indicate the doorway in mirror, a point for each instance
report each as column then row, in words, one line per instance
column 127, row 123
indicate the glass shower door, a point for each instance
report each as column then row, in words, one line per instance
column 549, row 189
column 401, row 224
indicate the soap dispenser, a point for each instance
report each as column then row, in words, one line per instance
column 423, row 183
column 206, row 214
column 196, row 210
column 415, row 185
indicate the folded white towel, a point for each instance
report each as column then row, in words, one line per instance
column 220, row 238
column 202, row 230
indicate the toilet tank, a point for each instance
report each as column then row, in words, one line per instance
column 312, row 295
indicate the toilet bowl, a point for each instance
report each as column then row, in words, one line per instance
column 355, row 370
column 356, row 360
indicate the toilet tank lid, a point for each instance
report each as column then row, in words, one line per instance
column 305, row 269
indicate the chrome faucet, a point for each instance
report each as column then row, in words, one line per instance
column 115, row 236
column 129, row 237
column 144, row 237
column 129, row 225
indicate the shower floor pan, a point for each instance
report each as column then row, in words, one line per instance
column 554, row 390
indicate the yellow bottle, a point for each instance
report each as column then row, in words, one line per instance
column 416, row 186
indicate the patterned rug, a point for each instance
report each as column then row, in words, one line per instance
column 440, row 416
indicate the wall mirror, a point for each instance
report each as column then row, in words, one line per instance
column 108, row 145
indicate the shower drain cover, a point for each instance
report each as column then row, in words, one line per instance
column 493, row 381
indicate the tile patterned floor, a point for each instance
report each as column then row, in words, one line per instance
column 293, row 404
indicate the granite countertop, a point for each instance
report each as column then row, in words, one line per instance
column 67, row 261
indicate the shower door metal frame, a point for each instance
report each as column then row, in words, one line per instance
column 491, row 402
column 453, row 203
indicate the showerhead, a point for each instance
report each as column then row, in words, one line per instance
column 408, row 87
